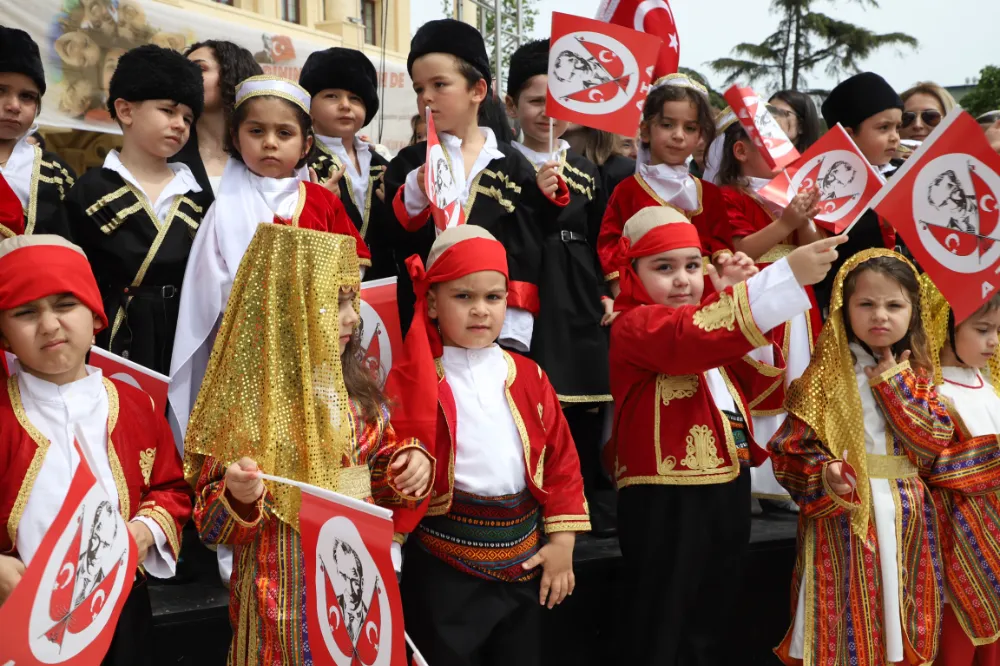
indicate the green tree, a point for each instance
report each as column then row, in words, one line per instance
column 508, row 44
column 714, row 97
column 986, row 96
column 804, row 40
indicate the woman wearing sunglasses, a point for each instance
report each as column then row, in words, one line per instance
column 796, row 114
column 924, row 106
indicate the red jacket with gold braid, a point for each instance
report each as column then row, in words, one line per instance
column 748, row 215
column 668, row 428
column 148, row 472
column 633, row 194
column 552, row 467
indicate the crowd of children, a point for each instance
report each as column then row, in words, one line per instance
column 826, row 372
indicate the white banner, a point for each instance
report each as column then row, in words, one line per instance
column 81, row 41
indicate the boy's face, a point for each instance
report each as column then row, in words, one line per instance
column 529, row 110
column 470, row 310
column 673, row 277
column 19, row 98
column 878, row 136
column 347, row 317
column 337, row 112
column 159, row 127
column 440, row 86
column 50, row 336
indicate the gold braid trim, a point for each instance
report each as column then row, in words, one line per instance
column 161, row 517
column 826, row 397
column 41, row 441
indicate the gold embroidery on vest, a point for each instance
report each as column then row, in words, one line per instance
column 540, row 469
column 702, row 452
column 540, row 415
column 146, row 459
column 676, row 387
column 714, row 316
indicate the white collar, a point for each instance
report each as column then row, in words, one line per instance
column 862, row 358
column 39, row 390
column 460, row 358
column 966, row 376
column 17, row 172
column 673, row 184
column 264, row 184
column 183, row 181
column 336, row 144
column 757, row 184
column 452, row 142
column 538, row 158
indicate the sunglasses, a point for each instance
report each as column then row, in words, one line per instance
column 930, row 117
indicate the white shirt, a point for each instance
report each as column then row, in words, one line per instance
column 280, row 194
column 182, row 183
column 979, row 407
column 489, row 454
column 357, row 178
column 536, row 158
column 20, row 165
column 56, row 410
column 673, row 184
column 414, row 197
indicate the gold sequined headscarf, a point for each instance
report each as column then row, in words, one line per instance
column 826, row 396
column 935, row 312
column 274, row 389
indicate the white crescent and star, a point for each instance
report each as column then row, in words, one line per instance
column 949, row 238
column 673, row 42
column 99, row 596
column 983, row 205
column 595, row 95
column 647, row 6
column 605, row 52
column 334, row 613
column 68, row 570
column 370, row 628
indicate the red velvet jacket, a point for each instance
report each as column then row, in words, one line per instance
column 552, row 467
column 320, row 209
column 633, row 194
column 148, row 472
column 668, row 428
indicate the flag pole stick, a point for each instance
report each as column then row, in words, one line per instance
column 551, row 139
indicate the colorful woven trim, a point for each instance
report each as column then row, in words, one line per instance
column 741, row 436
column 486, row 537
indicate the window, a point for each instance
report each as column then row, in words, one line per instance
column 290, row 10
column 225, row 2
column 368, row 16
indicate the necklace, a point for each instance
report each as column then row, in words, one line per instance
column 981, row 384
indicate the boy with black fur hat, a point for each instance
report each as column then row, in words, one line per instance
column 497, row 185
column 572, row 293
column 871, row 112
column 22, row 85
column 136, row 217
column 344, row 89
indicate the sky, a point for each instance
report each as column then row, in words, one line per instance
column 939, row 26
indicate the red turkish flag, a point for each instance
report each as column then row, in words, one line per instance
column 943, row 202
column 653, row 17
column 599, row 73
column 439, row 181
column 282, row 48
column 846, row 181
column 353, row 610
column 761, row 127
column 66, row 607
column 11, row 211
column 381, row 336
column 151, row 382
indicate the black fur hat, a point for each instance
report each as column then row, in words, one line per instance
column 531, row 59
column 342, row 68
column 451, row 36
column 859, row 98
column 19, row 53
column 153, row 72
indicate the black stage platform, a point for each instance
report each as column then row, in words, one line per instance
column 192, row 625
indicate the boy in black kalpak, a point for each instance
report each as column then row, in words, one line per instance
column 137, row 215
column 38, row 178
column 344, row 89
column 499, row 188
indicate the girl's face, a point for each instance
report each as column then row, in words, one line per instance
column 270, row 139
column 210, row 75
column 879, row 310
column 347, row 317
column 336, row 112
column 159, row 126
column 674, row 277
column 673, row 134
column 786, row 118
column 753, row 163
column 976, row 341
column 440, row 86
column 19, row 97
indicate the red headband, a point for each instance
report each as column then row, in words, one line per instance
column 36, row 271
column 664, row 238
column 413, row 382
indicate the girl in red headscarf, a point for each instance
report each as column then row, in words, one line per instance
column 682, row 437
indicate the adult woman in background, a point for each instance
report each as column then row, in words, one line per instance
column 604, row 150
column 924, row 105
column 796, row 113
column 223, row 65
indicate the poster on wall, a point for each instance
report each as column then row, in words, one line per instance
column 81, row 41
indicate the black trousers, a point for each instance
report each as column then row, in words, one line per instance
column 684, row 549
column 456, row 619
column 132, row 644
